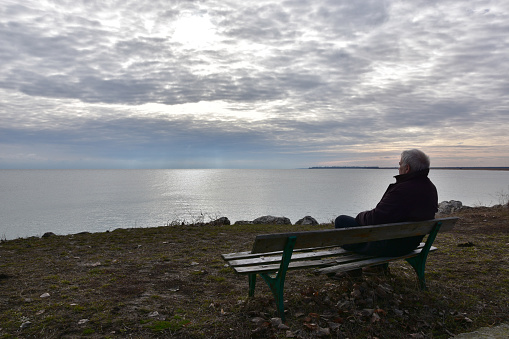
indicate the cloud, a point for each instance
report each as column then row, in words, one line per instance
column 253, row 83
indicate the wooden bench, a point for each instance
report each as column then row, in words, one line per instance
column 274, row 254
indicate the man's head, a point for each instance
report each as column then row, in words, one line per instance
column 412, row 161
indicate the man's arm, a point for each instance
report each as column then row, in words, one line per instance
column 389, row 209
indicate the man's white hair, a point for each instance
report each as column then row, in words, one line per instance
column 416, row 159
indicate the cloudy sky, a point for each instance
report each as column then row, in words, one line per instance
column 252, row 83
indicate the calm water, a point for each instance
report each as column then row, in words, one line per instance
column 33, row 202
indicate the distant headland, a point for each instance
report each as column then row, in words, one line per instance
column 346, row 167
column 441, row 168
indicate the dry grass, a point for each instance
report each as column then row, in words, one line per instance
column 171, row 282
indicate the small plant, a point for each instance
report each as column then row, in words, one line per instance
column 88, row 331
column 172, row 325
column 503, row 197
column 216, row 278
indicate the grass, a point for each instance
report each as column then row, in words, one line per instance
column 171, row 282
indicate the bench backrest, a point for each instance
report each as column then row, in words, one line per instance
column 338, row 237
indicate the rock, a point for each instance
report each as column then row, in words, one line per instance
column 307, row 220
column 276, row 322
column 283, row 327
column 45, row 295
column 270, row 220
column 322, row 332
column 220, row 222
column 448, row 207
column 48, row 234
column 334, row 326
column 83, row 321
column 25, row 325
column 258, row 320
column 92, row 264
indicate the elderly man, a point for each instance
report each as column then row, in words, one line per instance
column 412, row 198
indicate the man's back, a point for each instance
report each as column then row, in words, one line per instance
column 412, row 198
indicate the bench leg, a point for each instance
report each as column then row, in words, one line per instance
column 419, row 262
column 277, row 283
column 419, row 266
column 252, row 284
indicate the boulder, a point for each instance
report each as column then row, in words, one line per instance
column 48, row 234
column 220, row 222
column 307, row 220
column 270, row 220
column 448, row 207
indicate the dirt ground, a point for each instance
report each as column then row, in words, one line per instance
column 171, row 282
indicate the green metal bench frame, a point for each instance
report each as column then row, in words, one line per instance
column 416, row 259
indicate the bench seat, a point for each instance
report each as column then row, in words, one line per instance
column 330, row 261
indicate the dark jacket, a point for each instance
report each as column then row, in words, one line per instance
column 412, row 198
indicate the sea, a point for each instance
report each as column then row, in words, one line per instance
column 33, row 202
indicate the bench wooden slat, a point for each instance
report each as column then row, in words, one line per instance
column 272, row 267
column 249, row 254
column 330, row 265
column 276, row 242
column 237, row 255
column 296, row 256
column 336, row 264
column 344, row 267
column 275, row 267
column 258, row 259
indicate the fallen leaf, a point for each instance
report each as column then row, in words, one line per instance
column 311, row 326
column 338, row 320
column 375, row 318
